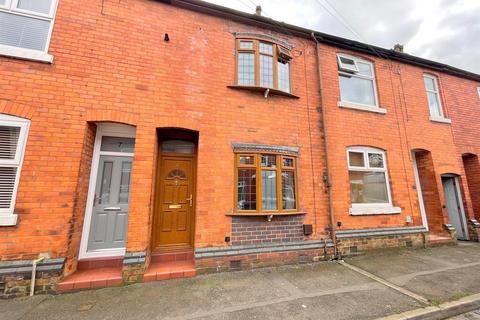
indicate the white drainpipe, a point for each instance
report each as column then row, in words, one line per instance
column 34, row 272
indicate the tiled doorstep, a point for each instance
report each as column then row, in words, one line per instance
column 90, row 279
column 169, row 270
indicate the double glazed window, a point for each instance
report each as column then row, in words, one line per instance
column 433, row 95
column 26, row 24
column 265, row 182
column 357, row 81
column 13, row 133
column 263, row 64
column 368, row 177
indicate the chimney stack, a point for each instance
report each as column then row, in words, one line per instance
column 398, row 47
column 258, row 11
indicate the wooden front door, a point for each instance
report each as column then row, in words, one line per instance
column 174, row 216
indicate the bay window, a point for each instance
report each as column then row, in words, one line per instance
column 265, row 183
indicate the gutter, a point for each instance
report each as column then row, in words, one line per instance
column 327, row 176
column 281, row 27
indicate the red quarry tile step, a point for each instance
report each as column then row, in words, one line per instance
column 91, row 278
column 169, row 270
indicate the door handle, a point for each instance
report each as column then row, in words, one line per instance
column 112, row 209
column 190, row 199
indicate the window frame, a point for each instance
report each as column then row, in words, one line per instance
column 7, row 216
column 478, row 92
column 437, row 94
column 371, row 208
column 257, row 165
column 345, row 103
column 256, row 51
column 10, row 7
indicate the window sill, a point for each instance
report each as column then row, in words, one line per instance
column 8, row 220
column 440, row 119
column 25, row 54
column 264, row 90
column 360, row 211
column 360, row 107
column 253, row 214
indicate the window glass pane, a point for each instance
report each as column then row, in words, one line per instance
column 365, row 68
column 23, row 32
column 347, row 62
column 246, row 68
column 287, row 162
column 2, row 2
column 7, row 184
column 375, row 160
column 247, row 189
column 356, row 159
column 433, row 104
column 266, row 48
column 106, row 182
column 178, row 146
column 288, row 190
column 117, row 144
column 246, row 45
column 124, row 191
column 357, row 90
column 40, row 6
column 368, row 187
column 249, row 160
column 269, row 190
column 8, row 142
column 284, row 76
column 269, row 160
column 266, row 71
column 429, row 83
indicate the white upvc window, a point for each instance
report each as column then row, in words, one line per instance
column 434, row 100
column 478, row 91
column 357, row 84
column 369, row 185
column 26, row 27
column 13, row 137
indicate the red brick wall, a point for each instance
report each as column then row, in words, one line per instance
column 464, row 108
column 405, row 127
column 111, row 64
column 430, row 194
column 257, row 230
column 471, row 164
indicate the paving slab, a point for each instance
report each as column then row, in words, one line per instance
column 312, row 291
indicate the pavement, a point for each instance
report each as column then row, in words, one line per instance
column 370, row 286
column 474, row 315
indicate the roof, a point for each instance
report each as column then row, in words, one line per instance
column 264, row 22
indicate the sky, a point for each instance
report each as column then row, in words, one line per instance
column 446, row 31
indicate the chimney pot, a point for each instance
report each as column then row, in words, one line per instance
column 398, row 47
column 258, row 11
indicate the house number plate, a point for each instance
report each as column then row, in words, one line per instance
column 175, row 206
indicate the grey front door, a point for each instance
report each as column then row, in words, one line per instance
column 454, row 206
column 110, row 209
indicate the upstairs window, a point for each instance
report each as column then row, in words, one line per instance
column 265, row 183
column 263, row 64
column 13, row 133
column 478, row 91
column 433, row 95
column 25, row 27
column 357, row 81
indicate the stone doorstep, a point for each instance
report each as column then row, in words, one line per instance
column 91, row 279
column 157, row 271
